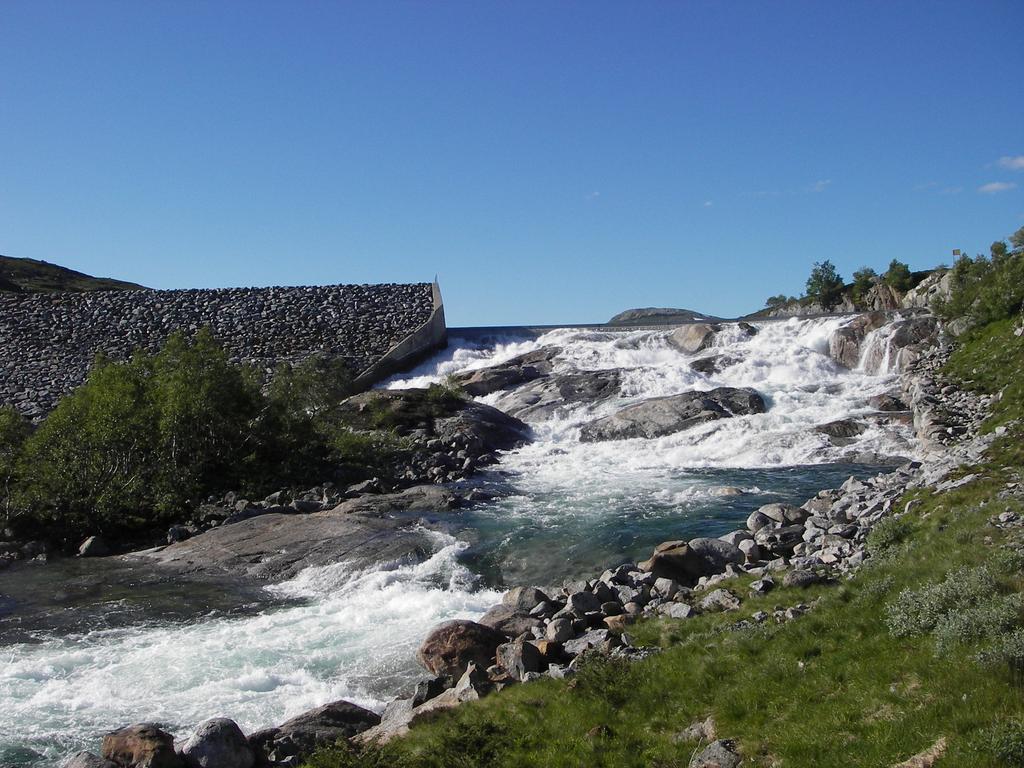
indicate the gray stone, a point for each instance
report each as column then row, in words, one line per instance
column 93, row 546
column 524, row 599
column 518, row 658
column 693, row 337
column 559, row 630
column 718, row 754
column 658, row 416
column 719, row 600
column 800, row 578
column 217, row 743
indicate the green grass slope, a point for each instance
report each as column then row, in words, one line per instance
column 883, row 667
column 32, row 276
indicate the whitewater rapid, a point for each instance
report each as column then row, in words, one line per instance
column 566, row 509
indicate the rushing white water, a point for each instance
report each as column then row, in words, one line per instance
column 570, row 508
column 786, row 362
column 350, row 635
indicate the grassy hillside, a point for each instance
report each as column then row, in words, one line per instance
column 920, row 646
column 32, row 276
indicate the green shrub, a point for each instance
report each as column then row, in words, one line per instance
column 1004, row 741
column 917, row 612
column 93, row 461
column 141, row 442
column 605, row 678
column 988, row 619
column 888, row 536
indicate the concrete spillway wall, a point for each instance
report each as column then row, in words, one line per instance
column 48, row 341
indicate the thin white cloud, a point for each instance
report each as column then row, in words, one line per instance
column 1012, row 162
column 708, row 203
column 994, row 187
column 593, row 195
column 820, row 186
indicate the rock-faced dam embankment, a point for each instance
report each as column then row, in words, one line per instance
column 48, row 341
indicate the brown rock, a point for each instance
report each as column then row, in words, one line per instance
column 452, row 646
column 141, row 746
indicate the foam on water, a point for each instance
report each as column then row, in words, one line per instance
column 350, row 635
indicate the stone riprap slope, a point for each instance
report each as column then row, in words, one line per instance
column 48, row 341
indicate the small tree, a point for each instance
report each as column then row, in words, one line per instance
column 863, row 279
column 825, row 285
column 775, row 302
column 898, row 276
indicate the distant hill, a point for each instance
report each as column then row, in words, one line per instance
column 32, row 276
column 657, row 316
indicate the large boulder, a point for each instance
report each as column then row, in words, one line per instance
column 451, row 647
column 686, row 562
column 422, row 411
column 524, row 599
column 217, row 743
column 844, row 345
column 321, row 727
column 143, row 745
column 545, row 396
column 511, row 373
column 660, row 416
column 693, row 337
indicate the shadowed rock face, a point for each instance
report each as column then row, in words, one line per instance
column 665, row 415
column 844, row 346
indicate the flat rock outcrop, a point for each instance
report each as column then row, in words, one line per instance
column 277, row 546
column 661, row 416
column 545, row 396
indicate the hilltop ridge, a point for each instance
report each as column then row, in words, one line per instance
column 34, row 276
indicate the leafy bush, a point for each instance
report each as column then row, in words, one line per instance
column 988, row 619
column 886, row 537
column 917, row 612
column 1003, row 741
column 141, row 442
column 966, row 607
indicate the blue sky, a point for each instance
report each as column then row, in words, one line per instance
column 549, row 161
